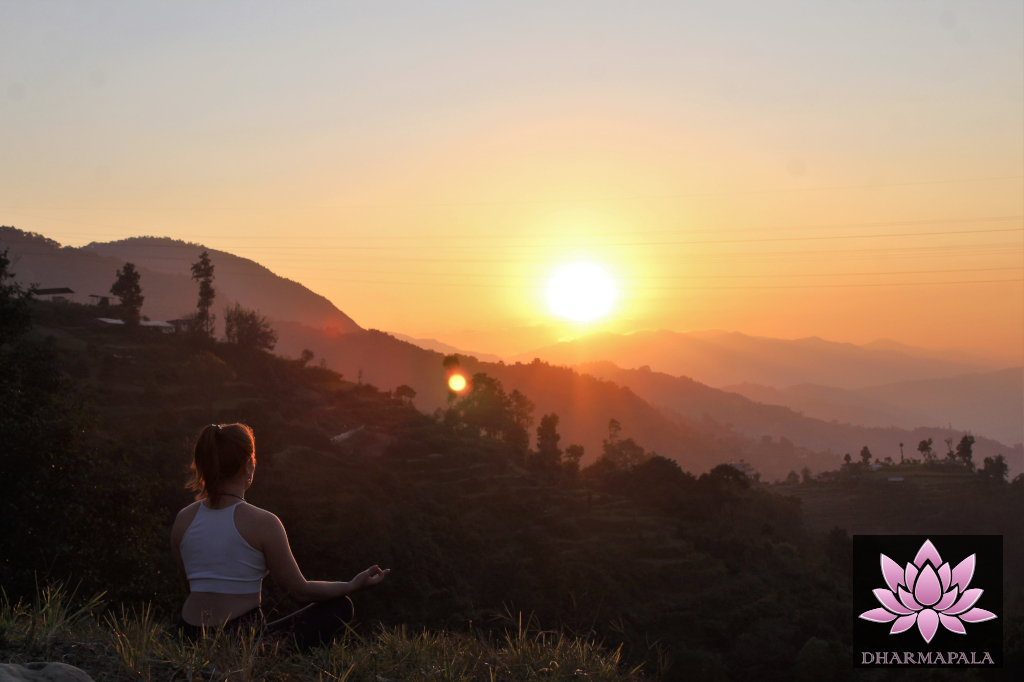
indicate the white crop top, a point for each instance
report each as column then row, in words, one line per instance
column 217, row 558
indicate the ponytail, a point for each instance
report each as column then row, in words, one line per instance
column 219, row 454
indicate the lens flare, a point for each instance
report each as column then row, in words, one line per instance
column 457, row 382
column 581, row 292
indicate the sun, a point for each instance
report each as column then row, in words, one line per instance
column 581, row 292
column 457, row 382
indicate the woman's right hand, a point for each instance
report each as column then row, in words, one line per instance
column 370, row 577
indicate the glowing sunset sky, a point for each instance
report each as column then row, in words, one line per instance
column 781, row 169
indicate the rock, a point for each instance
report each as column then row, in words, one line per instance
column 42, row 672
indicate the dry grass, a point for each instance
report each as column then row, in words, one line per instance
column 131, row 644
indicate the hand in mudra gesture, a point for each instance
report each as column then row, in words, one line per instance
column 371, row 576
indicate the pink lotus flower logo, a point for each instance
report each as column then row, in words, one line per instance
column 927, row 592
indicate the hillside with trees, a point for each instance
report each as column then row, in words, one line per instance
column 165, row 268
column 583, row 402
column 710, row 576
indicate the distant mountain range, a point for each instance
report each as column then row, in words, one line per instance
column 991, row 403
column 718, row 358
column 719, row 410
column 164, row 265
column 440, row 347
column 679, row 417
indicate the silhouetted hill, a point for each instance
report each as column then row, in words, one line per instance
column 718, row 358
column 441, row 347
column 702, row 404
column 165, row 277
column 584, row 403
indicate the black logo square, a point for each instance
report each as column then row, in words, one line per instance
column 928, row 600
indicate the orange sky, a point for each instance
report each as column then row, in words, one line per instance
column 807, row 169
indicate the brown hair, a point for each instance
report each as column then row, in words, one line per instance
column 220, row 452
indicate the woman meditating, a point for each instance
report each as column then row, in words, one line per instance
column 225, row 547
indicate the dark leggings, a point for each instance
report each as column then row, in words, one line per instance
column 310, row 626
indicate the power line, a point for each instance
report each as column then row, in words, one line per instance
column 781, row 286
column 749, row 240
column 525, row 202
column 239, row 273
column 478, row 236
column 623, row 244
column 997, row 248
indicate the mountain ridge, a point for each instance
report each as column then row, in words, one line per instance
column 164, row 265
column 718, row 358
column 722, row 411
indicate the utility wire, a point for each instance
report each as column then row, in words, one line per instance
column 626, row 244
column 586, row 235
column 998, row 248
column 995, row 248
column 523, row 202
column 780, row 286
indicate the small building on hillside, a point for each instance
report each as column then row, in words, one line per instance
column 165, row 327
column 158, row 325
column 179, row 325
column 100, row 300
column 56, row 294
column 107, row 322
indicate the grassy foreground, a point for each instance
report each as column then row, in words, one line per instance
column 132, row 644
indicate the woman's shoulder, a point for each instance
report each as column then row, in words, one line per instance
column 253, row 514
column 255, row 525
column 188, row 512
column 184, row 519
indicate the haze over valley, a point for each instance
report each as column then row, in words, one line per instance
column 680, row 416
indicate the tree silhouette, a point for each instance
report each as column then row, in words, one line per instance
column 548, row 452
column 865, row 455
column 248, row 329
column 965, row 451
column 614, row 429
column 15, row 317
column 522, row 409
column 995, row 468
column 306, row 356
column 405, row 393
column 571, row 459
column 619, row 454
column 950, row 455
column 202, row 271
column 487, row 409
column 847, row 458
column 925, row 448
column 128, row 289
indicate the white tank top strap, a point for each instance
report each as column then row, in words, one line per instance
column 216, row 556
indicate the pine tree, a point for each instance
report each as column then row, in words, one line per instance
column 202, row 272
